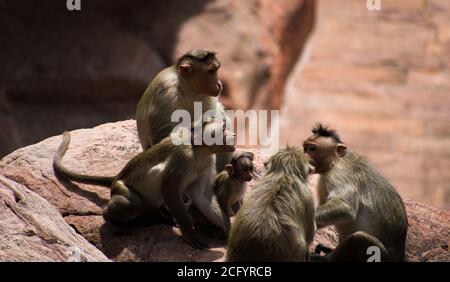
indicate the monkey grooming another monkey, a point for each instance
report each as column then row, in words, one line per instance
column 157, row 176
column 231, row 184
column 193, row 78
column 354, row 197
column 276, row 220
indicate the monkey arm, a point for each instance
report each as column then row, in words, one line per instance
column 161, row 131
column 222, row 159
column 172, row 193
column 173, row 198
column 224, row 207
column 334, row 211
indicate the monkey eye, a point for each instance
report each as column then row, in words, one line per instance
column 249, row 168
column 309, row 149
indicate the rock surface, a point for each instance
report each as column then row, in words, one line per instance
column 104, row 150
column 381, row 78
column 34, row 230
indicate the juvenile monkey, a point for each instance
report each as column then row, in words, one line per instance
column 193, row 78
column 276, row 220
column 231, row 184
column 157, row 177
column 354, row 197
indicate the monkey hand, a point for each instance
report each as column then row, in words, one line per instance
column 195, row 240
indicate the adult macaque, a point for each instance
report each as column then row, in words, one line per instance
column 231, row 184
column 158, row 177
column 362, row 205
column 193, row 78
column 276, row 220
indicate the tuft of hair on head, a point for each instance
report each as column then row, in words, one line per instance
column 325, row 131
column 202, row 55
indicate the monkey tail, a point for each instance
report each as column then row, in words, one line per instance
column 71, row 175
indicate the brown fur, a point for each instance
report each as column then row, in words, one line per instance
column 276, row 222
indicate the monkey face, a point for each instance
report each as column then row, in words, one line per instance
column 320, row 152
column 202, row 78
column 244, row 169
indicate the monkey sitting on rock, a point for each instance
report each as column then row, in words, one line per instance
column 276, row 220
column 230, row 185
column 354, row 197
column 192, row 80
column 156, row 177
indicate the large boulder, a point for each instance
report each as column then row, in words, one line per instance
column 33, row 230
column 103, row 150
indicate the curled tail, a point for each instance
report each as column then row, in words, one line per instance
column 71, row 175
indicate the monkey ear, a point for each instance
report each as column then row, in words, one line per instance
column 184, row 69
column 341, row 150
column 230, row 169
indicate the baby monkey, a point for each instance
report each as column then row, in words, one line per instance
column 231, row 184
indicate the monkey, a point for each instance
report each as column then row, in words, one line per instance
column 353, row 196
column 230, row 185
column 276, row 220
column 157, row 177
column 193, row 78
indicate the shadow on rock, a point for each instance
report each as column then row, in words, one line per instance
column 155, row 243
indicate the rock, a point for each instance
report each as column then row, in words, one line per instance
column 34, row 230
column 103, row 150
column 381, row 79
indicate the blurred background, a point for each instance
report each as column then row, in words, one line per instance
column 381, row 78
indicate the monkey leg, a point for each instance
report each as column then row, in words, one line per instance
column 123, row 206
column 203, row 199
column 210, row 209
column 356, row 248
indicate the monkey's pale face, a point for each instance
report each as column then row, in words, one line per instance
column 320, row 152
column 244, row 169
